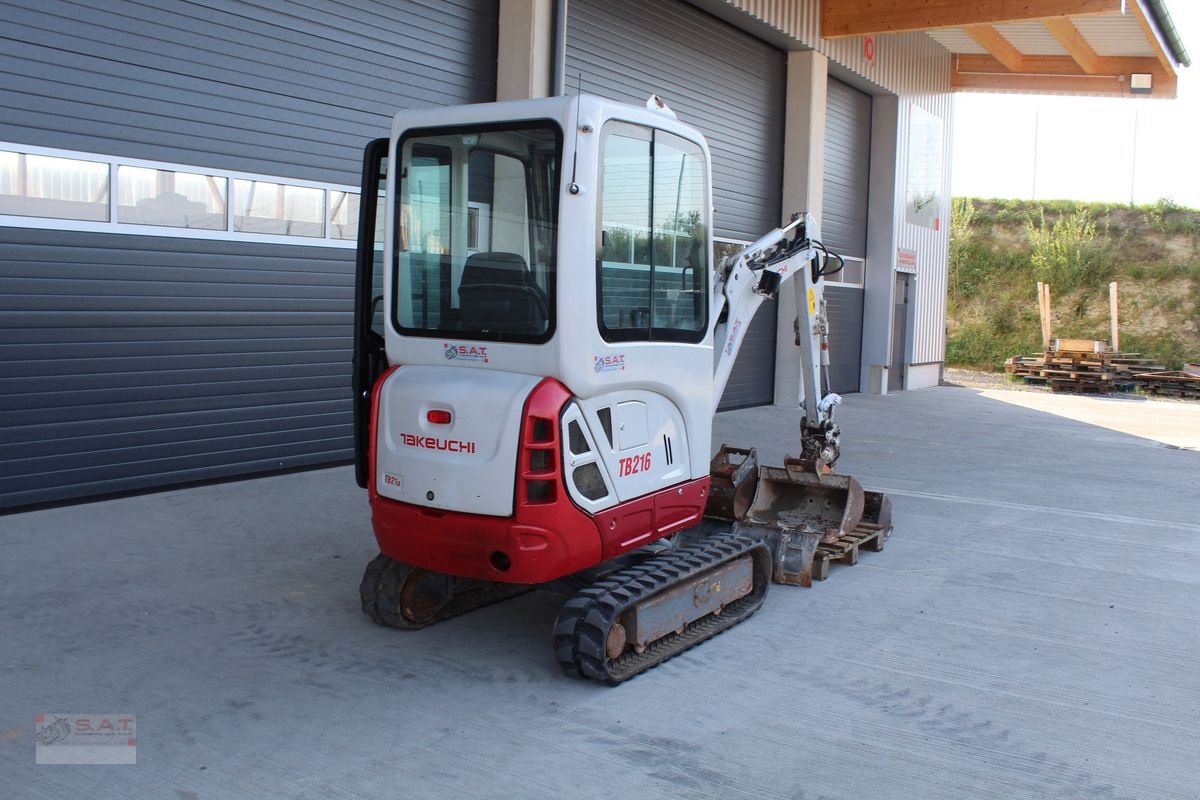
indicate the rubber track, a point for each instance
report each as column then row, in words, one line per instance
column 582, row 627
column 383, row 583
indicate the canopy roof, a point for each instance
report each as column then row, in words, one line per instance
column 1092, row 47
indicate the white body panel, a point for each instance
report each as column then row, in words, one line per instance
column 644, row 426
column 466, row 465
column 576, row 354
column 648, row 451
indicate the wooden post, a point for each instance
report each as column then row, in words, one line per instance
column 1112, row 313
column 1044, row 313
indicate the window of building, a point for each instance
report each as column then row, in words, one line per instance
column 45, row 186
column 174, row 199
column 278, row 208
column 66, row 190
column 653, row 236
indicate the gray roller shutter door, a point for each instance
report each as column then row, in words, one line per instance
column 133, row 362
column 723, row 81
column 844, row 222
column 280, row 87
column 845, row 306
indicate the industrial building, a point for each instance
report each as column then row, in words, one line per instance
column 178, row 190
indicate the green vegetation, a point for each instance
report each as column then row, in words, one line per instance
column 1000, row 249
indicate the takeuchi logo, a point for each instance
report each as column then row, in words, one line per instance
column 434, row 443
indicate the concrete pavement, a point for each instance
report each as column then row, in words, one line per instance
column 1030, row 631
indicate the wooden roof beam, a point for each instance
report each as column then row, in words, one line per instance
column 840, row 18
column 1073, row 42
column 1001, row 49
column 1059, row 75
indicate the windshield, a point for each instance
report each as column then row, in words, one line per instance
column 475, row 232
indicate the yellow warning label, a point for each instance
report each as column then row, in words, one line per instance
column 812, row 302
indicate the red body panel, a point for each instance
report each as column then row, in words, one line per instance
column 545, row 538
column 639, row 522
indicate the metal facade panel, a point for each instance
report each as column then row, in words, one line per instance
column 289, row 88
column 133, row 362
column 1118, row 35
column 847, row 169
column 1031, row 38
column 130, row 361
column 724, row 81
column 957, row 41
column 845, row 305
column 927, row 337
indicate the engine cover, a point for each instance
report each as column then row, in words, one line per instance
column 464, row 464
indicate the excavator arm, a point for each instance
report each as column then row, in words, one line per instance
column 757, row 273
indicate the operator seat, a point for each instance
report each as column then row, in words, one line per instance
column 498, row 294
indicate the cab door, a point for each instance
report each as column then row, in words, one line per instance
column 370, row 356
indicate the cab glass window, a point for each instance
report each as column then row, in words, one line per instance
column 653, row 239
column 477, row 211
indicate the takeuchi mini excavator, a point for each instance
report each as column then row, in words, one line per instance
column 542, row 335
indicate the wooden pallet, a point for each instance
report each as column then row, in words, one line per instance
column 844, row 550
column 1081, row 371
column 1080, row 386
column 1176, row 383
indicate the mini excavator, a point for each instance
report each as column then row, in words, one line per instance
column 542, row 336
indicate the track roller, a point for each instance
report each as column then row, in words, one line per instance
column 406, row 597
column 639, row 617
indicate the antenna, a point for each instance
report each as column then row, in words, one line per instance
column 573, row 187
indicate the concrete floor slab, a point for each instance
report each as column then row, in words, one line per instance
column 1030, row 631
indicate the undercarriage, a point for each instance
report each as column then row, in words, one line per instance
column 763, row 525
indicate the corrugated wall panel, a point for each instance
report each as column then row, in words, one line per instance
column 283, row 88
column 928, row 333
column 845, row 304
column 847, row 169
column 131, row 362
column 722, row 80
column 169, row 370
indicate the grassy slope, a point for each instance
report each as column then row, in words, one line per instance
column 1153, row 252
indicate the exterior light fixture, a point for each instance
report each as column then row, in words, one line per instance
column 1141, row 82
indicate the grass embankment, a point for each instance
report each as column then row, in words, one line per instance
column 1000, row 249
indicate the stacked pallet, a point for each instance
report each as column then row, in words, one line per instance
column 1089, row 365
column 1184, row 383
column 1070, row 365
column 1130, row 365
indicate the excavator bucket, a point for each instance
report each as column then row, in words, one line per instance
column 793, row 509
column 734, row 477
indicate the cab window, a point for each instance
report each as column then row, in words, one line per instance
column 476, row 226
column 652, row 264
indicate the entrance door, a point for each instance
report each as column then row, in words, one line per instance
column 899, row 332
